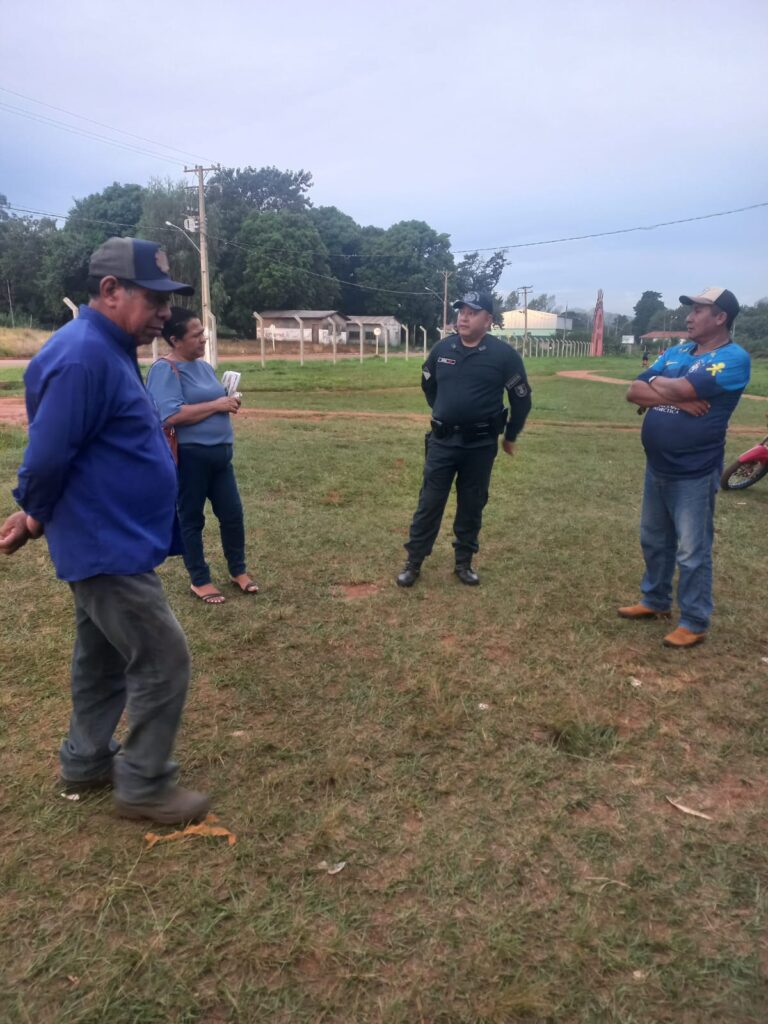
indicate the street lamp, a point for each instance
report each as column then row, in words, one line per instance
column 170, row 224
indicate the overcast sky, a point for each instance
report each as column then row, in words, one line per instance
column 495, row 121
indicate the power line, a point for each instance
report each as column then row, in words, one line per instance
column 392, row 291
column 65, row 216
column 312, row 273
column 85, row 133
column 52, row 122
column 617, row 231
column 100, row 124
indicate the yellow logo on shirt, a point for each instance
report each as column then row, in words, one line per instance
column 715, row 368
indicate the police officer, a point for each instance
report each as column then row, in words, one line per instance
column 464, row 379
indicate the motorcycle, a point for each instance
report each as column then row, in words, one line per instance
column 747, row 469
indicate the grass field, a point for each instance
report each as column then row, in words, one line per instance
column 493, row 765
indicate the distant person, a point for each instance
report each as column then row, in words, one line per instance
column 690, row 393
column 645, row 358
column 190, row 398
column 464, row 380
column 98, row 479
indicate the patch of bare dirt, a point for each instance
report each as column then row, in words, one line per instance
column 588, row 375
column 355, row 591
column 729, row 796
column 13, row 411
column 598, row 813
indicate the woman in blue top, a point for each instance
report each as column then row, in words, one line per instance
column 190, row 398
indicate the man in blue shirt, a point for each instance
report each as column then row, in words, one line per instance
column 99, row 480
column 689, row 394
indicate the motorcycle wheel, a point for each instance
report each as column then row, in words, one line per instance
column 740, row 475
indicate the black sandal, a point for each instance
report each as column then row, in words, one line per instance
column 251, row 587
column 216, row 597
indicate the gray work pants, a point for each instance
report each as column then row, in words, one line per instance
column 130, row 654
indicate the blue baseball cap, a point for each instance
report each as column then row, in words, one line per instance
column 475, row 300
column 142, row 263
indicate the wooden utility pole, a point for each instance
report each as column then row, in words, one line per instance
column 446, row 275
column 205, row 282
column 525, row 288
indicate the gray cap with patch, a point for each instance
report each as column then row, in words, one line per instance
column 137, row 261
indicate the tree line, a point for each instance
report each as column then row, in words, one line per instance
column 651, row 314
column 271, row 248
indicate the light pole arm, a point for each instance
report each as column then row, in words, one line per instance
column 170, row 224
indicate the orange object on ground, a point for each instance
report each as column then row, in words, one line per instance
column 205, row 828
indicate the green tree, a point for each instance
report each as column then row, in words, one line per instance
column 668, row 319
column 23, row 243
column 232, row 195
column 114, row 211
column 478, row 273
column 408, row 261
column 512, row 301
column 285, row 266
column 343, row 238
column 751, row 327
column 648, row 304
column 242, row 190
column 545, row 303
column 167, row 200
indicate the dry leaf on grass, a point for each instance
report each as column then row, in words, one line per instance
column 331, row 869
column 204, row 828
column 688, row 810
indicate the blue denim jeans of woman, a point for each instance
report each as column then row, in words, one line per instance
column 677, row 528
column 206, row 474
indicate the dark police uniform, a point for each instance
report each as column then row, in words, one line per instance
column 465, row 388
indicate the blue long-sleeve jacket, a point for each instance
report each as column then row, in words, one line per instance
column 97, row 471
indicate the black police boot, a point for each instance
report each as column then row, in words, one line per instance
column 467, row 574
column 409, row 575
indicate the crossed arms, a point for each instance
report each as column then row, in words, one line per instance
column 675, row 391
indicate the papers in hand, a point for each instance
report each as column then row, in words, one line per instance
column 230, row 380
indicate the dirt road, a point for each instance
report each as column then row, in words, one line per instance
column 13, row 412
column 587, row 375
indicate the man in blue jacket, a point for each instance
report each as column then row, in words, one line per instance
column 689, row 394
column 464, row 380
column 99, row 481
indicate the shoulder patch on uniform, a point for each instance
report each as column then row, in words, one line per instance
column 521, row 390
column 513, row 380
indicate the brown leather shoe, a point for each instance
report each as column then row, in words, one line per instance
column 682, row 637
column 641, row 611
column 177, row 806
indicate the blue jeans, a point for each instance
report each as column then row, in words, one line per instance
column 677, row 527
column 130, row 654
column 206, row 473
